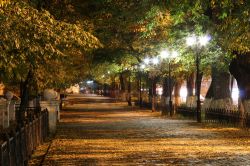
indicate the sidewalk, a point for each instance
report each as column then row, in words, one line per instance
column 98, row 131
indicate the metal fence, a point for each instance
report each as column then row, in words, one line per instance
column 187, row 112
column 224, row 116
column 18, row 144
column 221, row 116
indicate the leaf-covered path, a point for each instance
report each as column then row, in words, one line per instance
column 99, row 131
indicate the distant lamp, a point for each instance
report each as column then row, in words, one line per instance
column 142, row 66
column 191, row 40
column 155, row 61
column 90, row 82
column 174, row 54
column 164, row 54
column 203, row 40
column 146, row 61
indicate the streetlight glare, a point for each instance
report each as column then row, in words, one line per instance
column 164, row 54
column 191, row 40
column 142, row 66
column 155, row 61
column 146, row 61
column 90, row 82
column 203, row 40
column 174, row 54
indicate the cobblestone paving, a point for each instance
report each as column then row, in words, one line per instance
column 96, row 131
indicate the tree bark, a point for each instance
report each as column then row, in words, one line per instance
column 154, row 94
column 190, row 84
column 122, row 83
column 24, row 91
column 219, row 94
column 239, row 68
column 129, row 91
column 123, row 86
column 168, row 86
column 191, row 99
column 177, row 88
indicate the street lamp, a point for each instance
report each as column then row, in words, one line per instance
column 169, row 55
column 197, row 42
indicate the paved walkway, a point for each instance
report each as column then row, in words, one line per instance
column 98, row 131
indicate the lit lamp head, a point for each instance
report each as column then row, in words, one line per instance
column 203, row 40
column 164, row 54
column 146, row 61
column 174, row 54
column 155, row 61
column 142, row 66
column 191, row 40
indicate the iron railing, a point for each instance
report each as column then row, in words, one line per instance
column 220, row 116
column 17, row 146
column 187, row 112
column 224, row 116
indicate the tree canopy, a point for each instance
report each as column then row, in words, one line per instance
column 34, row 40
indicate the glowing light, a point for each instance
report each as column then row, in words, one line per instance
column 164, row 54
column 90, row 82
column 174, row 54
column 159, row 90
column 155, row 61
column 142, row 66
column 191, row 40
column 146, row 61
column 183, row 92
column 235, row 95
column 203, row 40
column 108, row 72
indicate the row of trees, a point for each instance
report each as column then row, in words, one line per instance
column 57, row 31
column 143, row 28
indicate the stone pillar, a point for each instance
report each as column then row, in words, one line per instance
column 56, row 104
column 52, row 107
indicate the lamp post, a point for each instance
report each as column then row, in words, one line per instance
column 169, row 55
column 197, row 42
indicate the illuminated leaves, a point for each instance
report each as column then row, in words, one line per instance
column 34, row 39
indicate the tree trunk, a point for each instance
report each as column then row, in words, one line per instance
column 139, row 89
column 122, row 83
column 239, row 68
column 177, row 88
column 219, row 94
column 190, row 101
column 168, row 85
column 123, row 86
column 150, row 90
column 129, row 91
column 24, row 91
column 164, row 96
column 154, row 94
column 190, row 84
